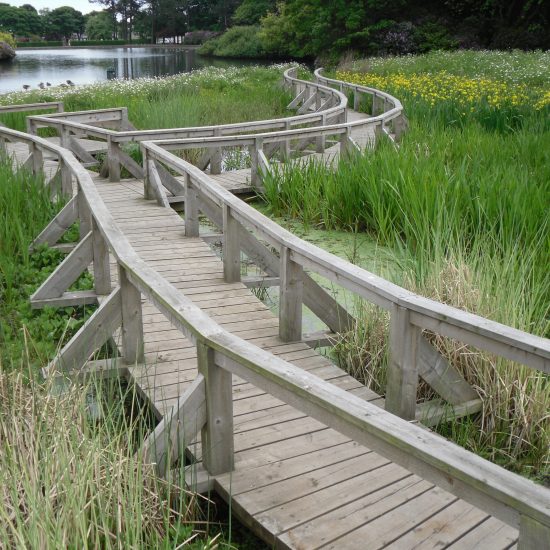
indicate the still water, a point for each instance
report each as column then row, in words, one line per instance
column 86, row 65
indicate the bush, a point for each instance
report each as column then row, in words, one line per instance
column 106, row 42
column 193, row 38
column 236, row 42
column 8, row 39
column 40, row 44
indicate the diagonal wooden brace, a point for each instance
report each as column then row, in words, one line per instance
column 66, row 273
column 57, row 227
column 93, row 334
column 178, row 428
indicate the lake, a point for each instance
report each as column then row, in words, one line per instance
column 87, row 65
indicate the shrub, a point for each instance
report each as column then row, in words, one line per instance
column 236, row 42
column 40, row 44
column 8, row 39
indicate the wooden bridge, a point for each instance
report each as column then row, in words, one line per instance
column 307, row 456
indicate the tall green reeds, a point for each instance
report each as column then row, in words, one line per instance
column 465, row 207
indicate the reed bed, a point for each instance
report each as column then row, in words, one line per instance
column 464, row 205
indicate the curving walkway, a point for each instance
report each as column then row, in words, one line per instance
column 306, row 455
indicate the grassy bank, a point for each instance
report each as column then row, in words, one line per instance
column 464, row 203
column 202, row 97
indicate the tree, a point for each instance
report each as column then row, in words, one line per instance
column 23, row 21
column 99, row 26
column 63, row 22
column 251, row 11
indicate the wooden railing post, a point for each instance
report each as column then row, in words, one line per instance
column 254, row 164
column 216, row 157
column 532, row 534
column 102, row 269
column 217, row 434
column 285, row 145
column 147, row 192
column 356, row 99
column 320, row 141
column 377, row 105
column 345, row 144
column 132, row 323
column 402, row 378
column 231, row 248
column 66, row 179
column 113, row 159
column 37, row 158
column 84, row 215
column 191, row 208
column 290, row 299
column 399, row 126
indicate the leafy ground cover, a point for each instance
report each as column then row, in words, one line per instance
column 464, row 203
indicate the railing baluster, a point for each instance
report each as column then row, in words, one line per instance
column 254, row 164
column 217, row 434
column 290, row 300
column 37, row 158
column 191, row 212
column 402, row 378
column 231, row 248
column 132, row 322
column 320, row 142
column 113, row 159
column 102, row 268
column 84, row 215
column 216, row 157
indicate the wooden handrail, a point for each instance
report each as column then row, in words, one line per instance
column 25, row 107
column 509, row 497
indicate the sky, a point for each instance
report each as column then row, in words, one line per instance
column 81, row 5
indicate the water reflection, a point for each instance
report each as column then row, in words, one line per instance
column 86, row 65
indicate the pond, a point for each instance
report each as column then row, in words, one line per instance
column 87, row 65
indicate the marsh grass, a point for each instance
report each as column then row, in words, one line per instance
column 203, row 97
column 464, row 204
column 69, row 482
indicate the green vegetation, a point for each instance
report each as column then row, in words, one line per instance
column 8, row 39
column 463, row 201
column 203, row 97
column 236, row 42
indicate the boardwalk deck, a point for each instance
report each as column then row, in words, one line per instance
column 296, row 483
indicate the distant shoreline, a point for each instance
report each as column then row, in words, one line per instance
column 110, row 46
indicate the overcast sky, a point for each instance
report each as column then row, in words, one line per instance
column 81, row 5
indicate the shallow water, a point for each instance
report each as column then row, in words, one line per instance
column 87, row 65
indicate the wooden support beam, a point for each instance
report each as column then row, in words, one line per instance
column 102, row 269
column 84, row 215
column 532, row 534
column 291, row 298
column 402, row 378
column 66, row 273
column 37, row 159
column 177, row 429
column 216, row 157
column 432, row 413
column 113, row 159
column 297, row 100
column 66, row 180
column 79, row 151
column 130, row 164
column 76, row 298
column 217, row 434
column 231, row 248
column 132, row 322
column 169, row 181
column 58, row 226
column 92, row 335
column 442, row 376
column 155, row 186
column 191, row 208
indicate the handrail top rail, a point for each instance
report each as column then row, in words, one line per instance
column 126, row 134
column 22, row 107
column 360, row 87
column 387, row 293
column 514, row 496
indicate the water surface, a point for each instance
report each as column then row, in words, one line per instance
column 87, row 65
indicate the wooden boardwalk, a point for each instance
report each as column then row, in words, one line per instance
column 294, row 481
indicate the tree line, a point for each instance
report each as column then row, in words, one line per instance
column 299, row 28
